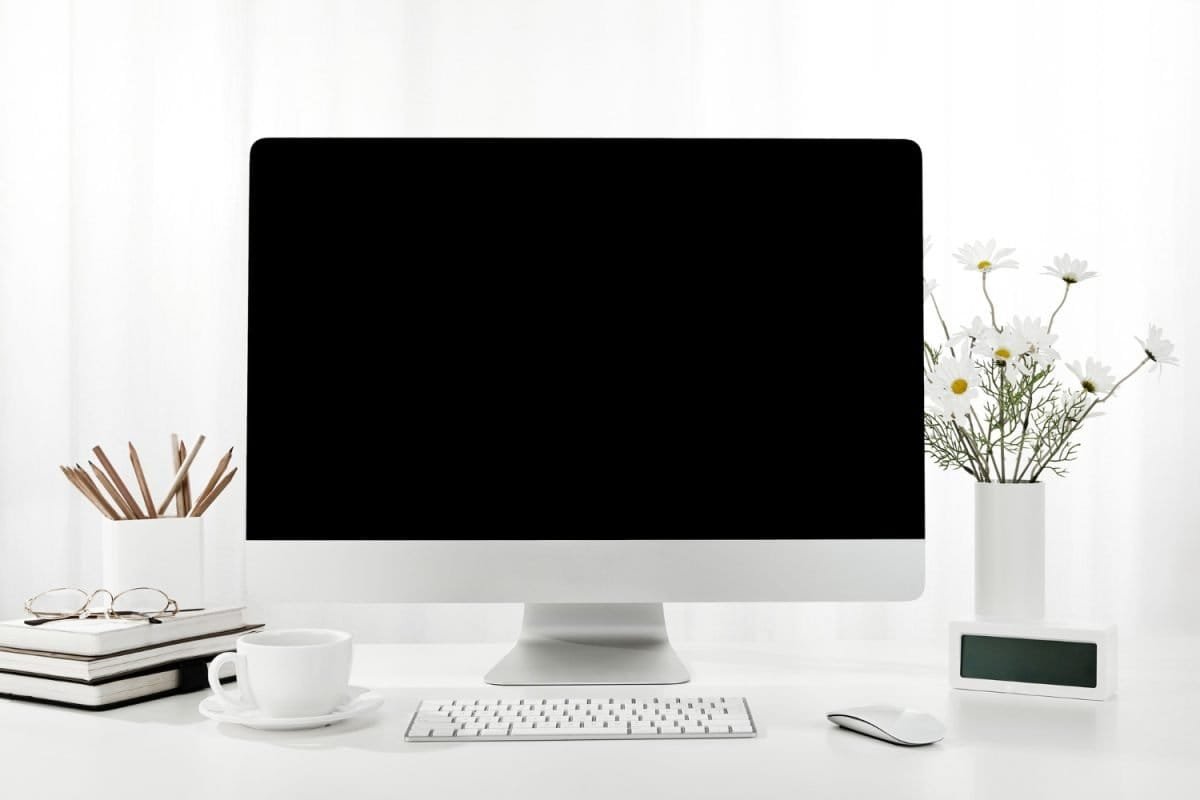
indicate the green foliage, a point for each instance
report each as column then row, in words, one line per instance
column 1026, row 424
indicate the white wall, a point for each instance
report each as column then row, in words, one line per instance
column 1051, row 125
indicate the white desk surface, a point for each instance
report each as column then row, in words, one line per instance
column 1144, row 743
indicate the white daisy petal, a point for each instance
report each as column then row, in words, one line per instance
column 1158, row 349
column 953, row 384
column 1094, row 378
column 929, row 287
column 1069, row 270
column 983, row 258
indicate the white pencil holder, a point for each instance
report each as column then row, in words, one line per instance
column 166, row 553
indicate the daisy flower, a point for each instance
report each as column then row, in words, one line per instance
column 984, row 258
column 976, row 331
column 1157, row 348
column 1069, row 270
column 1006, row 346
column 1095, row 378
column 929, row 287
column 1041, row 340
column 934, row 410
column 953, row 384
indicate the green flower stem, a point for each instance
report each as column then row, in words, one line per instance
column 1061, row 303
column 1117, row 385
column 1000, row 406
column 1025, row 426
column 972, row 452
column 941, row 319
column 991, row 305
column 991, row 455
column 1033, row 478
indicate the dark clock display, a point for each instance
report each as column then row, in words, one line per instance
column 1053, row 663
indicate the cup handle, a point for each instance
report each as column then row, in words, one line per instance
column 214, row 680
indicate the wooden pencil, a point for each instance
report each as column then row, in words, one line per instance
column 220, row 487
column 79, row 487
column 115, row 477
column 180, row 475
column 185, row 491
column 92, row 493
column 84, row 491
column 141, row 479
column 112, row 491
column 176, row 462
column 86, row 481
column 216, row 476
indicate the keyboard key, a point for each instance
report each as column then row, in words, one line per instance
column 580, row 718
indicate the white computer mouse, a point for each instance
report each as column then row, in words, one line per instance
column 890, row 723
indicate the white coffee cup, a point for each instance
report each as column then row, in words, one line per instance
column 302, row 672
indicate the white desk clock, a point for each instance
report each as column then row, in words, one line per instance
column 1034, row 658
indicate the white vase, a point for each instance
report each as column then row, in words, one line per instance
column 1010, row 551
column 165, row 553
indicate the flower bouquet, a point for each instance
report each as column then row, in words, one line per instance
column 998, row 406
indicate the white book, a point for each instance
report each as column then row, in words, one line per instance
column 96, row 668
column 82, row 694
column 99, row 637
column 186, row 676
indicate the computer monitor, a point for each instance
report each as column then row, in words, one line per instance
column 587, row 375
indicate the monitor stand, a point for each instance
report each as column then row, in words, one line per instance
column 567, row 644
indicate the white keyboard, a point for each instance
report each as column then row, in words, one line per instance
column 564, row 718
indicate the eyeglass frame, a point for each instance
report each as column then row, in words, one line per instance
column 85, row 611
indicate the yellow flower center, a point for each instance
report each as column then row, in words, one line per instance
column 958, row 386
column 1003, row 354
column 1088, row 386
column 984, row 265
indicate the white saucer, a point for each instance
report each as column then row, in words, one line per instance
column 358, row 701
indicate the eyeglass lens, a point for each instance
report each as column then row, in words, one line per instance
column 66, row 602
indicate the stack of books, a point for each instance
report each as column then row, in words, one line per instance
column 99, row 664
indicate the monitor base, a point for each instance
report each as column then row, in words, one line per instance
column 570, row 644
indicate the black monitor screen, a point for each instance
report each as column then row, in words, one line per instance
column 583, row 339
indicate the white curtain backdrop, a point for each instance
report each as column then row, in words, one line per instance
column 1050, row 125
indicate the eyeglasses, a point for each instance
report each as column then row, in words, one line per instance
column 139, row 603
